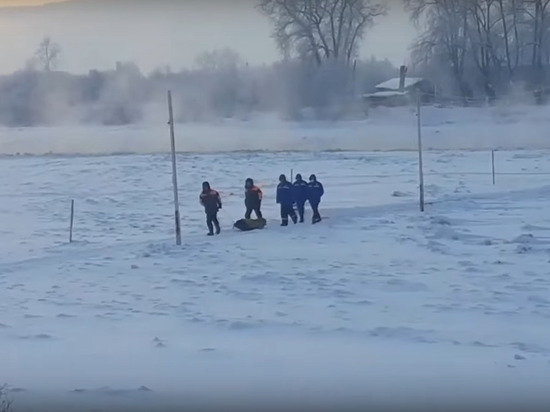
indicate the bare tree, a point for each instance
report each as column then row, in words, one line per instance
column 445, row 35
column 508, row 11
column 48, row 53
column 321, row 29
column 222, row 72
column 484, row 39
column 494, row 37
column 223, row 59
column 5, row 401
column 538, row 12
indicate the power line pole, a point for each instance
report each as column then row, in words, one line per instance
column 420, row 162
column 174, row 170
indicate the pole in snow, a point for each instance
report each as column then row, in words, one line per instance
column 420, row 162
column 174, row 170
column 493, row 165
column 71, row 223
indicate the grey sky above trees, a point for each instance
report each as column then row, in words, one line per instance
column 97, row 33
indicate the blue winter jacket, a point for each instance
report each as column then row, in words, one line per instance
column 301, row 189
column 315, row 192
column 285, row 195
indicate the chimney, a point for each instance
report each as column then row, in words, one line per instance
column 402, row 75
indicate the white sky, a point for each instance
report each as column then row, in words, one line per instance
column 155, row 33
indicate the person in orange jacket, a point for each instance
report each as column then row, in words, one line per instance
column 211, row 201
column 252, row 199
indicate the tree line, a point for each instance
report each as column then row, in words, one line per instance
column 220, row 85
column 483, row 47
column 469, row 49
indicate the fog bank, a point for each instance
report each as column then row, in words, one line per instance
column 506, row 127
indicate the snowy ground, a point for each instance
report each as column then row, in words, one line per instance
column 378, row 305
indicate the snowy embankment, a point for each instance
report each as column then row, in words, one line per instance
column 479, row 128
column 378, row 305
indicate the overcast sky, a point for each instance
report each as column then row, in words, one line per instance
column 155, row 33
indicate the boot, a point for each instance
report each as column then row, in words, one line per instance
column 218, row 229
column 294, row 219
column 284, row 223
column 210, row 234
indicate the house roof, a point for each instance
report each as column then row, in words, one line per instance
column 393, row 84
column 389, row 93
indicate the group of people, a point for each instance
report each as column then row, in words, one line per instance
column 298, row 193
column 288, row 195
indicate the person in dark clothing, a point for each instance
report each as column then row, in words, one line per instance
column 285, row 197
column 300, row 195
column 212, row 202
column 315, row 193
column 252, row 199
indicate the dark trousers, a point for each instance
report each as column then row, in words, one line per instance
column 253, row 208
column 315, row 208
column 286, row 212
column 212, row 221
column 301, row 206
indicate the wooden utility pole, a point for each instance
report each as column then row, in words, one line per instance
column 174, row 170
column 420, row 161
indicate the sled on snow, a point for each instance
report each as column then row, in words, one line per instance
column 246, row 225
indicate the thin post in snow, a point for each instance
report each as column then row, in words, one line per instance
column 420, row 160
column 353, row 80
column 71, row 222
column 174, row 170
column 493, row 165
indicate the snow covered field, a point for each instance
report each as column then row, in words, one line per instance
column 378, row 305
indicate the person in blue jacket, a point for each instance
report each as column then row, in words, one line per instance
column 315, row 193
column 285, row 198
column 300, row 195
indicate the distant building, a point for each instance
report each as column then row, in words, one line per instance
column 394, row 84
column 400, row 91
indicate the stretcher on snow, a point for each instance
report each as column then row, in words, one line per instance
column 246, row 225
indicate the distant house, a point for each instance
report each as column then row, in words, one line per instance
column 393, row 93
column 393, row 84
